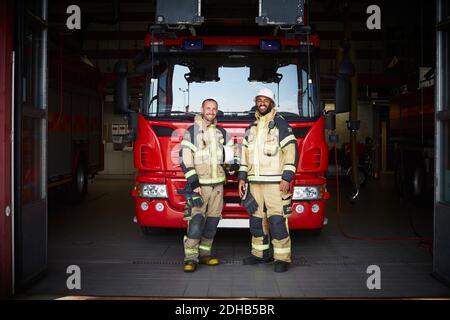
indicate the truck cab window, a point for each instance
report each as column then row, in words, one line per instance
column 182, row 89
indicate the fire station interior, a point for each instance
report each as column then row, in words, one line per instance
column 393, row 223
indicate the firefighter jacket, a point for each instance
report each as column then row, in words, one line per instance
column 269, row 150
column 202, row 153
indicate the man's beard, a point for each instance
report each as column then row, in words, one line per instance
column 268, row 109
column 209, row 118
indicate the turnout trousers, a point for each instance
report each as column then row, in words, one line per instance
column 269, row 222
column 203, row 225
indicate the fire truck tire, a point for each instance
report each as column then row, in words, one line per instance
column 415, row 181
column 399, row 180
column 418, row 184
column 79, row 186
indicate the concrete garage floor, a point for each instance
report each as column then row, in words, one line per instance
column 117, row 260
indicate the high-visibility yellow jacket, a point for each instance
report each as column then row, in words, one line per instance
column 202, row 153
column 269, row 150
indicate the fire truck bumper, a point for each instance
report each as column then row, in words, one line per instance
column 307, row 214
column 158, row 213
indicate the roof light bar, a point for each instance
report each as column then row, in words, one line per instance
column 192, row 44
column 270, row 45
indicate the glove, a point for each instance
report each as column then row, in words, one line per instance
column 234, row 167
column 249, row 202
column 193, row 199
column 287, row 209
column 197, row 200
column 231, row 168
column 187, row 213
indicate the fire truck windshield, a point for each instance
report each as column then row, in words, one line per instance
column 233, row 81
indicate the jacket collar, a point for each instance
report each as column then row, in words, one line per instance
column 202, row 123
column 267, row 117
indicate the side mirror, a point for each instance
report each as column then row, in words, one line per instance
column 343, row 94
column 133, row 120
column 121, row 88
column 330, row 120
column 132, row 125
column 322, row 105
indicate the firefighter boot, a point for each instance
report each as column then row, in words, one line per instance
column 190, row 266
column 209, row 261
column 255, row 260
column 280, row 266
column 205, row 248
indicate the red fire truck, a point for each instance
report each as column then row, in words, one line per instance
column 75, row 108
column 411, row 118
column 186, row 60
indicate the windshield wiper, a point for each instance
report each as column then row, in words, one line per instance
column 236, row 112
column 171, row 113
column 310, row 100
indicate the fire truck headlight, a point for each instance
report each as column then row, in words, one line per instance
column 144, row 206
column 299, row 209
column 315, row 208
column 306, row 193
column 159, row 207
column 153, row 190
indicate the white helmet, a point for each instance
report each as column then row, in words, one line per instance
column 265, row 92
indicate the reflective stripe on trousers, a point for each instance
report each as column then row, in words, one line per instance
column 269, row 196
column 213, row 205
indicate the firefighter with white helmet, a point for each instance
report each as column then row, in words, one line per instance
column 202, row 156
column 268, row 164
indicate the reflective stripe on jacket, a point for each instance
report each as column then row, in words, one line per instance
column 202, row 153
column 269, row 150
